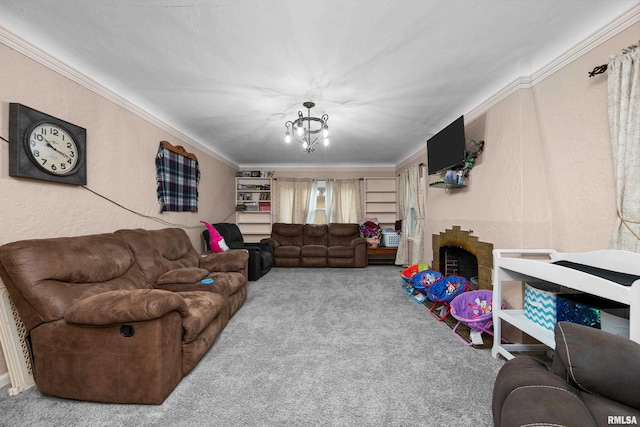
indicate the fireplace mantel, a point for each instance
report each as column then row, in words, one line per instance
column 463, row 239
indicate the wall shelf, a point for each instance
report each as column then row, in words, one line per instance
column 381, row 200
column 446, row 185
column 253, row 207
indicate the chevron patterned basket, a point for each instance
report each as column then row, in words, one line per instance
column 540, row 304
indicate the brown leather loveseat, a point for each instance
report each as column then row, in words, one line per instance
column 317, row 245
column 120, row 317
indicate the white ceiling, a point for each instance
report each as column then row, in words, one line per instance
column 229, row 73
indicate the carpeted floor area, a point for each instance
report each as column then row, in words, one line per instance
column 310, row 347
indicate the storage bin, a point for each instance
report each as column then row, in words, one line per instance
column 540, row 303
column 584, row 309
column 390, row 238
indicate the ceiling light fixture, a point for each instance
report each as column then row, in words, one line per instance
column 308, row 131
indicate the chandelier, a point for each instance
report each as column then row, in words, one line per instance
column 308, row 131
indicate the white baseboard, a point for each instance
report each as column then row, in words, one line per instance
column 5, row 379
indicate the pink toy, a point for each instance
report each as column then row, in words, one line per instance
column 216, row 241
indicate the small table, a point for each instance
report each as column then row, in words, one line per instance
column 381, row 255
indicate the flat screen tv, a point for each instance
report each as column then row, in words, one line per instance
column 447, row 149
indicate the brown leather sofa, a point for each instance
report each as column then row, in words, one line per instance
column 119, row 317
column 317, row 245
column 593, row 381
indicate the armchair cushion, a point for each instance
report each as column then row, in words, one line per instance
column 594, row 375
column 598, row 363
column 183, row 275
column 124, row 306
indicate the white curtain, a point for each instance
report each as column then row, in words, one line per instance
column 402, row 256
column 343, row 200
column 292, row 199
column 411, row 192
column 416, row 191
column 624, row 123
column 313, row 201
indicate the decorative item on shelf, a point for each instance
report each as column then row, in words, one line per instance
column 473, row 151
column 308, row 131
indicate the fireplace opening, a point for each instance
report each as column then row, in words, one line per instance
column 463, row 240
column 459, row 262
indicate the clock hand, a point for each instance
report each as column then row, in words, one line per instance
column 54, row 148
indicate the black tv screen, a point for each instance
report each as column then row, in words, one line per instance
column 446, row 149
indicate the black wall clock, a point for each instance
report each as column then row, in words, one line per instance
column 46, row 148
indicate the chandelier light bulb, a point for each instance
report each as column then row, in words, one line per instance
column 325, row 131
column 308, row 130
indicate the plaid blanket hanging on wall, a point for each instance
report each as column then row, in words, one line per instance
column 178, row 176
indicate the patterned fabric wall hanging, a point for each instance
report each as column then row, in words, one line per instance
column 178, row 176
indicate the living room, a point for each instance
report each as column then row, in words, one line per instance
column 544, row 180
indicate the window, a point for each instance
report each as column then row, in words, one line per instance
column 320, row 211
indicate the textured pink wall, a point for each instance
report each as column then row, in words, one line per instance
column 121, row 149
column 545, row 178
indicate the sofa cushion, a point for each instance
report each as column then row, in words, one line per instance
column 233, row 281
column 287, row 252
column 313, row 251
column 287, row 234
column 159, row 251
column 342, row 234
column 340, row 252
column 183, row 275
column 315, row 234
column 202, row 308
column 45, row 277
column 592, row 359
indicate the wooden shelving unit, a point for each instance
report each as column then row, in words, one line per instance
column 253, row 207
column 381, row 200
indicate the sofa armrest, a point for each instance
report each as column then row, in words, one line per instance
column 234, row 260
column 598, row 362
column 124, row 306
column 527, row 393
column 270, row 241
column 266, row 246
column 358, row 241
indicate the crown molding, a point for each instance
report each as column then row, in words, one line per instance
column 22, row 46
column 324, row 167
column 615, row 27
column 612, row 29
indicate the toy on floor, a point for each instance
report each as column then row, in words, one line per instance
column 474, row 309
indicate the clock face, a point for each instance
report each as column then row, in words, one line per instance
column 53, row 149
column 45, row 147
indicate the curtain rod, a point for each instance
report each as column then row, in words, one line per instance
column 600, row 69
